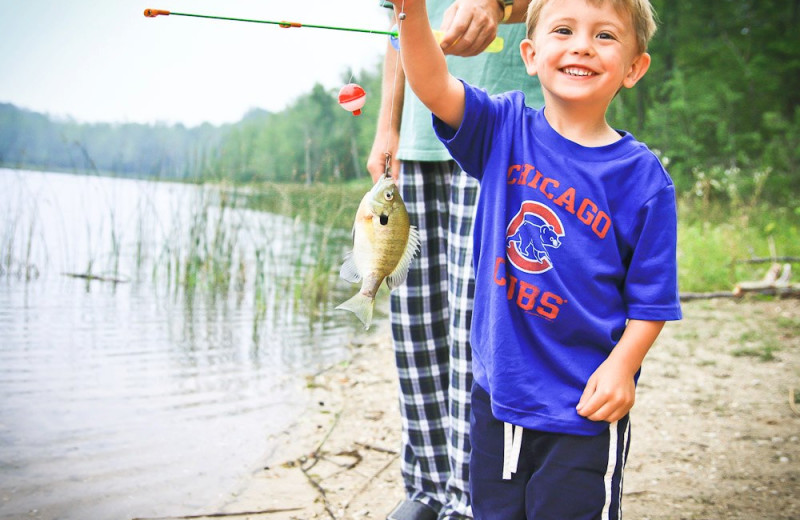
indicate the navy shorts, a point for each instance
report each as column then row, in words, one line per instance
column 557, row 477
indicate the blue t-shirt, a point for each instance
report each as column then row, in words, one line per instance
column 569, row 243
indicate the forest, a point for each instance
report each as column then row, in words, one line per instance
column 720, row 105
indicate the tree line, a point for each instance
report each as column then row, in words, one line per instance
column 313, row 139
column 720, row 105
column 37, row 141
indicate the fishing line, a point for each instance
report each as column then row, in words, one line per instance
column 387, row 167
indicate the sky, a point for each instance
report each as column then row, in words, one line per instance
column 104, row 61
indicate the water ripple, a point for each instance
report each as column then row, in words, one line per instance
column 128, row 400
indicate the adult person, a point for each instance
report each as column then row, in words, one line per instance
column 431, row 313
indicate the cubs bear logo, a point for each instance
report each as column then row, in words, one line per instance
column 532, row 231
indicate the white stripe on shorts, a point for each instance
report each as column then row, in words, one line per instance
column 612, row 466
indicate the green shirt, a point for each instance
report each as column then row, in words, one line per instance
column 495, row 72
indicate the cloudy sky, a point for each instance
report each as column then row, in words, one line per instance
column 102, row 60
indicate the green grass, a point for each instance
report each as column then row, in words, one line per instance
column 788, row 326
column 764, row 352
column 760, row 344
column 712, row 242
column 330, row 205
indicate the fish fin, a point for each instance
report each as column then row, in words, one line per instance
column 349, row 271
column 361, row 305
column 400, row 273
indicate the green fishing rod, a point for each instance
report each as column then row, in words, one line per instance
column 152, row 13
column 495, row 46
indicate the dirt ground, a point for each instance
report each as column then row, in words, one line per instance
column 716, row 427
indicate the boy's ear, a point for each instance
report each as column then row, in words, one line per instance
column 527, row 51
column 638, row 69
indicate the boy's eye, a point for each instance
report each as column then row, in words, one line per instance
column 605, row 36
column 563, row 30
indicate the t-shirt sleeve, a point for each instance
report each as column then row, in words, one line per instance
column 470, row 144
column 651, row 284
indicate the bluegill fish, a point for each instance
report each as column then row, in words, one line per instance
column 384, row 243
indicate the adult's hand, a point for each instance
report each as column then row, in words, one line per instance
column 469, row 26
column 386, row 140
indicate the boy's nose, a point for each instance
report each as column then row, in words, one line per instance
column 582, row 45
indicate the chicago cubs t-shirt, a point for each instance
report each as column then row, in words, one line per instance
column 569, row 243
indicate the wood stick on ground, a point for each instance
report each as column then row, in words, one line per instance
column 794, row 259
column 688, row 296
column 224, row 515
column 371, row 479
column 376, row 448
column 321, row 491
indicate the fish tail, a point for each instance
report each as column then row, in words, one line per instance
column 361, row 305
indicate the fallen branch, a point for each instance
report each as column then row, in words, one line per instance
column 322, row 493
column 371, row 480
column 315, row 457
column 224, row 515
column 767, row 288
column 376, row 448
column 775, row 282
column 688, row 296
column 757, row 260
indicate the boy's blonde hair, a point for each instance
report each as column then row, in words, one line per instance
column 641, row 12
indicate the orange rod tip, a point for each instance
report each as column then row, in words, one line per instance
column 288, row 25
column 152, row 13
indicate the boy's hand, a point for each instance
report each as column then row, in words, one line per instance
column 611, row 391
column 609, row 394
column 469, row 26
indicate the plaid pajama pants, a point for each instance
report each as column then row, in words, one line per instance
column 430, row 316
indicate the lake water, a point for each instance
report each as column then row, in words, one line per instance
column 143, row 398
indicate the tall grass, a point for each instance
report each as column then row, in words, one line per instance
column 216, row 247
column 331, row 205
column 214, row 243
column 19, row 239
column 221, row 247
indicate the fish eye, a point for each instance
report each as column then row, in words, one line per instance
column 388, row 195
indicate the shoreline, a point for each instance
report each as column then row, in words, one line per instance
column 715, row 434
column 341, row 458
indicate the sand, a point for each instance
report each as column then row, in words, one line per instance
column 715, row 432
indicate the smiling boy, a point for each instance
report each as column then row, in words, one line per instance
column 574, row 256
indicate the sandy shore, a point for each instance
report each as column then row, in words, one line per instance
column 715, row 432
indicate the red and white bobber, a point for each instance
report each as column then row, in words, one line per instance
column 352, row 98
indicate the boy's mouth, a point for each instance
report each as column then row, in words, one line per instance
column 577, row 71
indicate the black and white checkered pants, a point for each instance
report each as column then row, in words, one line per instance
column 431, row 315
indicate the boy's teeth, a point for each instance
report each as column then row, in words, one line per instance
column 578, row 72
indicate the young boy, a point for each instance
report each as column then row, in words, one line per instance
column 574, row 256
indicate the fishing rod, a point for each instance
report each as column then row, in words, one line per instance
column 495, row 46
column 152, row 13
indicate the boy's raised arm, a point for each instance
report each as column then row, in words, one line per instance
column 425, row 66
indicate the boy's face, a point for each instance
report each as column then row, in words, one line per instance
column 583, row 53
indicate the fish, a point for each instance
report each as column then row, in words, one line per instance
column 384, row 244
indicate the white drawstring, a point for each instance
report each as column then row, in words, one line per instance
column 512, row 444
